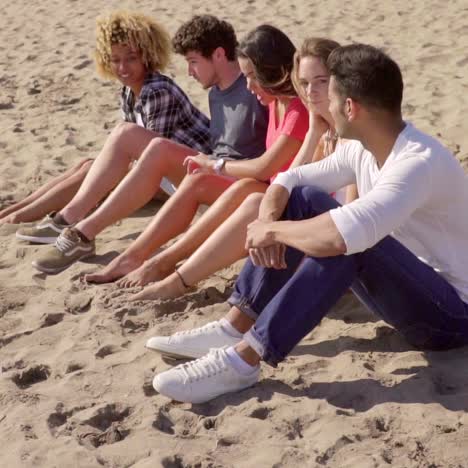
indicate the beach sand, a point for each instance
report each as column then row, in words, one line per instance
column 75, row 387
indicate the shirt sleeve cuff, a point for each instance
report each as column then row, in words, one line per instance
column 286, row 180
column 352, row 233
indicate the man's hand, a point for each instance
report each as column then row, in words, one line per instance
column 259, row 234
column 269, row 257
column 199, row 163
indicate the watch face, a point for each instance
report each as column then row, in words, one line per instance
column 219, row 164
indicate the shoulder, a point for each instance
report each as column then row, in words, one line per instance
column 296, row 112
column 296, row 106
column 157, row 84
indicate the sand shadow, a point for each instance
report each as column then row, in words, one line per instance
column 443, row 381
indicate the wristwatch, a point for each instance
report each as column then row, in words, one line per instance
column 219, row 166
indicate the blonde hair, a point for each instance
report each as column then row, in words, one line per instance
column 311, row 47
column 137, row 30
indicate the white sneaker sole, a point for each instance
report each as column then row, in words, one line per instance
column 37, row 240
column 169, row 353
column 51, row 271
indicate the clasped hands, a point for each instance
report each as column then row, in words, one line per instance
column 263, row 250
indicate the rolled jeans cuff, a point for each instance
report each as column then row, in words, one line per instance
column 254, row 340
column 236, row 300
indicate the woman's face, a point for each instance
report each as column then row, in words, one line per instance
column 128, row 66
column 252, row 84
column 313, row 80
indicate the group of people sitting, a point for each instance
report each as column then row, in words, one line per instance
column 309, row 171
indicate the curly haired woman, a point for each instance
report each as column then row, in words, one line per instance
column 133, row 49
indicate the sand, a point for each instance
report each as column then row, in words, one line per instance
column 75, row 388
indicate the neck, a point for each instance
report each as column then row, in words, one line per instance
column 137, row 87
column 228, row 74
column 331, row 123
column 380, row 135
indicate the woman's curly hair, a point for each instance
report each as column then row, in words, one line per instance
column 139, row 31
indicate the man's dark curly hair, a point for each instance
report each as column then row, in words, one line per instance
column 204, row 34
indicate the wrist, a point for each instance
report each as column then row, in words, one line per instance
column 218, row 166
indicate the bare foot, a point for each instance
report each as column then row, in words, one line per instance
column 168, row 288
column 119, row 267
column 151, row 270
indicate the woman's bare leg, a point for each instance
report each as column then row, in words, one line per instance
column 165, row 262
column 224, row 247
column 171, row 220
column 52, row 196
column 125, row 143
column 161, row 158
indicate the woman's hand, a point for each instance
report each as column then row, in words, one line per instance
column 317, row 124
column 199, row 163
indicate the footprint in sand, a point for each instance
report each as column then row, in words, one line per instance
column 104, row 425
column 31, row 376
column 107, row 350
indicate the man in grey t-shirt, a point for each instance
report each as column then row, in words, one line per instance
column 238, row 121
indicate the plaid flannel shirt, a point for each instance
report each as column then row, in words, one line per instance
column 166, row 110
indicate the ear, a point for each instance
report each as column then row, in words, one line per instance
column 351, row 109
column 219, row 54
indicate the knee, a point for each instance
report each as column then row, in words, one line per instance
column 309, row 201
column 310, row 194
column 198, row 185
column 123, row 129
column 83, row 169
column 85, row 166
column 252, row 202
column 156, row 152
column 247, row 186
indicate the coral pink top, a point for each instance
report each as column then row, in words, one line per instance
column 294, row 123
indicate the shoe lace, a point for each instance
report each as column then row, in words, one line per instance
column 63, row 243
column 195, row 331
column 204, row 367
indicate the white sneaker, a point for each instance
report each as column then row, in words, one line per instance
column 203, row 379
column 193, row 343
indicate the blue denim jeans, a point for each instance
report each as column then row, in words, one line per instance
column 387, row 278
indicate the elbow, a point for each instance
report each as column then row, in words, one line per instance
column 339, row 245
column 263, row 174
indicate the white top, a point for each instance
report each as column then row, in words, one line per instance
column 419, row 196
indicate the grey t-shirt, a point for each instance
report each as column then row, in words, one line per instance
column 238, row 121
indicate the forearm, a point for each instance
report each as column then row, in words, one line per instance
column 273, row 204
column 317, row 237
column 255, row 168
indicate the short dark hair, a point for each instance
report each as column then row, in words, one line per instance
column 204, row 34
column 368, row 75
column 271, row 53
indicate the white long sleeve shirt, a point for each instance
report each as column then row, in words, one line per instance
column 419, row 196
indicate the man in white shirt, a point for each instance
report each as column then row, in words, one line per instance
column 401, row 247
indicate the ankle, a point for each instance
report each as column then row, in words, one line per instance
column 60, row 219
column 247, row 354
column 239, row 364
column 239, row 320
